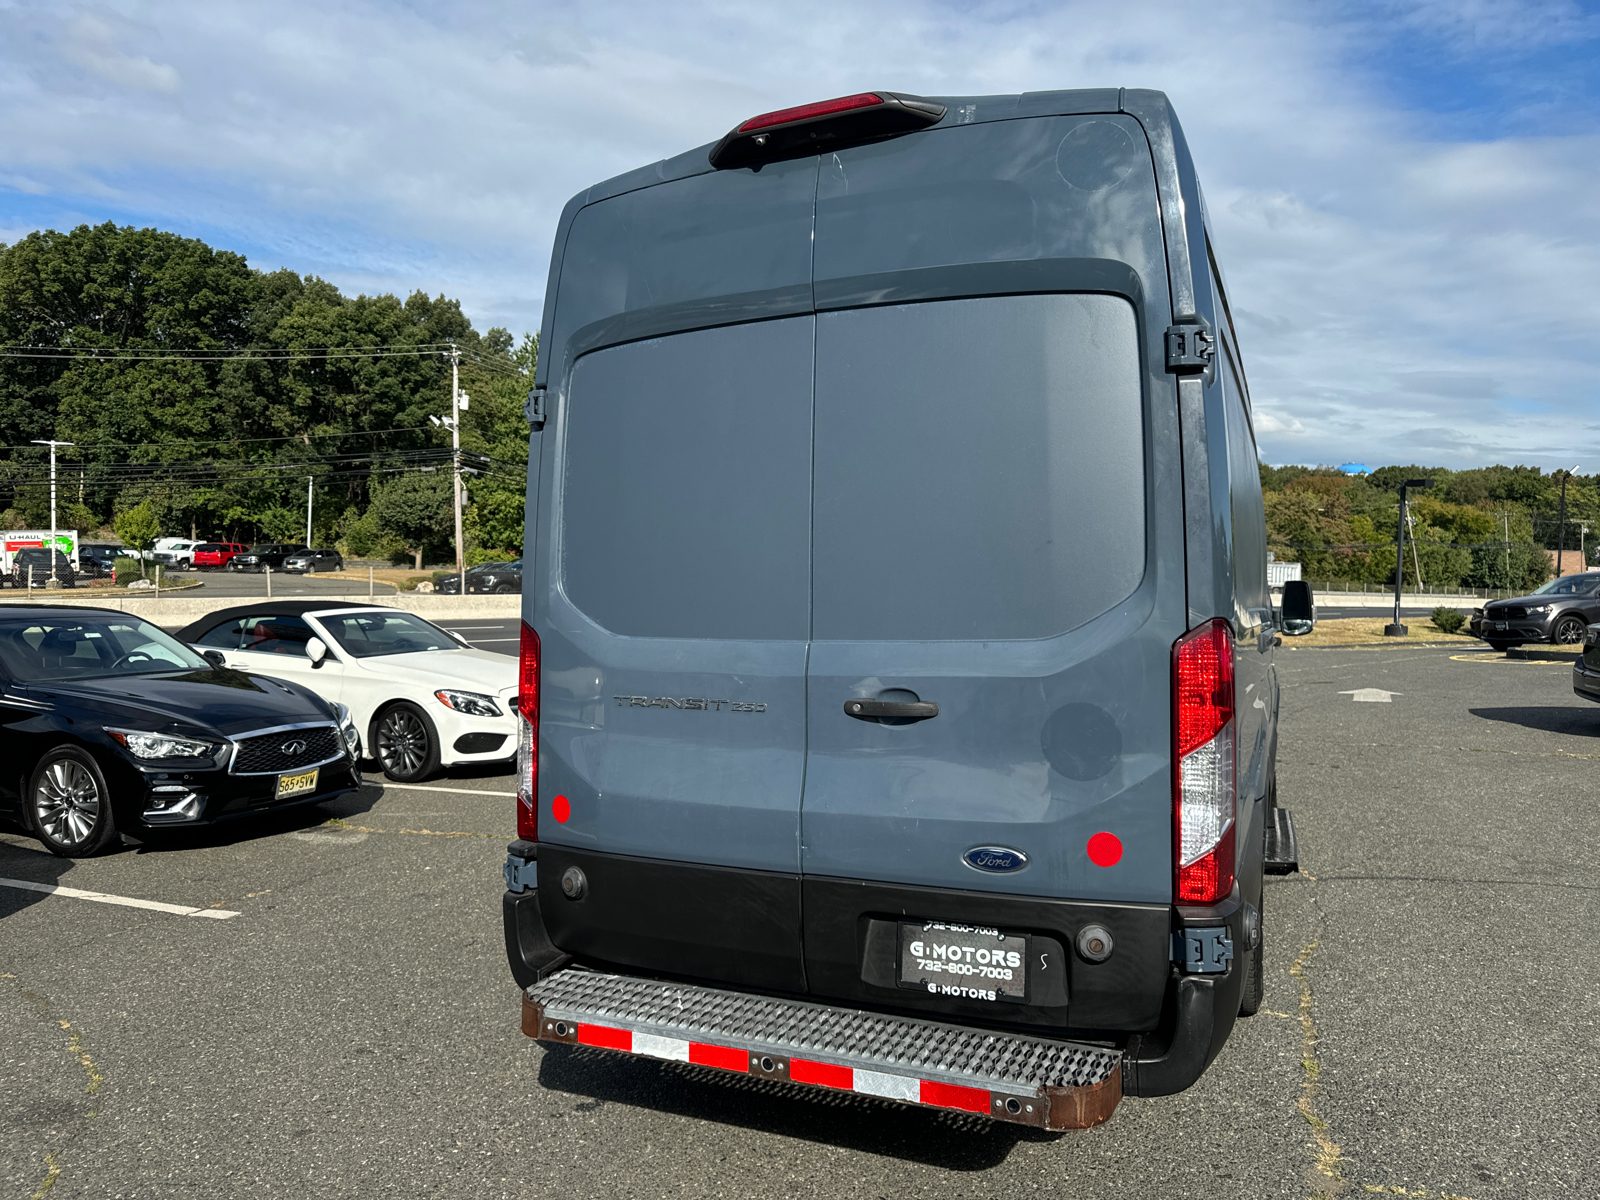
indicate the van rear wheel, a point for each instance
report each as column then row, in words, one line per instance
column 1255, row 986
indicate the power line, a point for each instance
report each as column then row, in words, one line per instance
column 135, row 354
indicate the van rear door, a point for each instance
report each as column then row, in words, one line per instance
column 674, row 644
column 979, row 545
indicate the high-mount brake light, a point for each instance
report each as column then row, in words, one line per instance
column 825, row 125
column 528, row 736
column 1204, row 735
column 804, row 112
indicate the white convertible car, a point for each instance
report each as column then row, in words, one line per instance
column 421, row 697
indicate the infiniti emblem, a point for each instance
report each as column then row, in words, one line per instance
column 995, row 858
column 292, row 748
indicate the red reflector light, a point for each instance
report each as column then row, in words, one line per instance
column 803, row 1070
column 528, row 736
column 821, row 108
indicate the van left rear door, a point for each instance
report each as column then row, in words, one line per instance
column 674, row 633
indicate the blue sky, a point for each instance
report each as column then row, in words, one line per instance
column 1405, row 193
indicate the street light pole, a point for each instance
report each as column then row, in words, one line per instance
column 1396, row 629
column 309, row 478
column 455, row 460
column 53, row 445
column 1561, row 520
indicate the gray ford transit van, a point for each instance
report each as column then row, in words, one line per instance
column 898, row 701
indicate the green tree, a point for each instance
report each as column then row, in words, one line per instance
column 138, row 528
column 415, row 509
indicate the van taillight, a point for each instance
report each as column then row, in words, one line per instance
column 528, row 737
column 1204, row 745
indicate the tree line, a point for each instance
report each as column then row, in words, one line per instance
column 209, row 395
column 1489, row 527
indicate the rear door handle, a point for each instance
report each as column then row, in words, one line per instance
column 906, row 710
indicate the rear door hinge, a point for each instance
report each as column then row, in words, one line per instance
column 534, row 409
column 1203, row 951
column 1190, row 348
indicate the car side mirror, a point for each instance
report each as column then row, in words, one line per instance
column 1299, row 608
column 215, row 657
column 316, row 651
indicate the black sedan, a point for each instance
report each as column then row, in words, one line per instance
column 1558, row 612
column 108, row 724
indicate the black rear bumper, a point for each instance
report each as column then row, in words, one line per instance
column 834, row 941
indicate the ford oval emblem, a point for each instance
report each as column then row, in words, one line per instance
column 995, row 858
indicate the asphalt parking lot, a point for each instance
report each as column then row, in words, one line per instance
column 1429, row 1028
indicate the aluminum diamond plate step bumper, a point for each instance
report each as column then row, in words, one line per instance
column 1007, row 1076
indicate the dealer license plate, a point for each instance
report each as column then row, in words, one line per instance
column 297, row 785
column 969, row 962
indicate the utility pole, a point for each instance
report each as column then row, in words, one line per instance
column 455, row 461
column 1561, row 521
column 1397, row 629
column 309, row 478
column 54, row 444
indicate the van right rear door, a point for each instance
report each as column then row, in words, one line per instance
column 992, row 535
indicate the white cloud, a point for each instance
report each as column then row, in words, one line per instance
column 1399, row 293
column 92, row 43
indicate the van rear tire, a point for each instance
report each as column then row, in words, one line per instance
column 1255, row 984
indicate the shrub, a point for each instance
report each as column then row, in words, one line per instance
column 1448, row 620
column 125, row 568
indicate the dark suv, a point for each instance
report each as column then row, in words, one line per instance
column 97, row 561
column 1558, row 612
column 43, row 563
column 268, row 554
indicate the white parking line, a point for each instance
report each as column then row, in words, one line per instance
column 177, row 910
column 421, row 787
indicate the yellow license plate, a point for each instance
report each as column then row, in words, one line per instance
column 297, row 785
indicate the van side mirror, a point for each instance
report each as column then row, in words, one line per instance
column 1299, row 609
column 316, row 651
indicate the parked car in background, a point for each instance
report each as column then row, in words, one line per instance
column 172, row 552
column 108, row 724
column 421, row 696
column 267, row 554
column 96, row 560
column 307, row 561
column 503, row 577
column 37, row 564
column 216, row 555
column 1559, row 613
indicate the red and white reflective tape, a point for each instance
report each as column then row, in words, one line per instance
column 904, row 1088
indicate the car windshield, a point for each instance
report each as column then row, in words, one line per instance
column 370, row 634
column 1569, row 585
column 262, row 549
column 207, row 548
column 73, row 647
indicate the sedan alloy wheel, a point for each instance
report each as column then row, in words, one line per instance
column 407, row 747
column 69, row 806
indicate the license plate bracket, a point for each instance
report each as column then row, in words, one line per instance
column 299, row 784
column 965, row 962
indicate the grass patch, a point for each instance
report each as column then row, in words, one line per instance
column 1356, row 631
